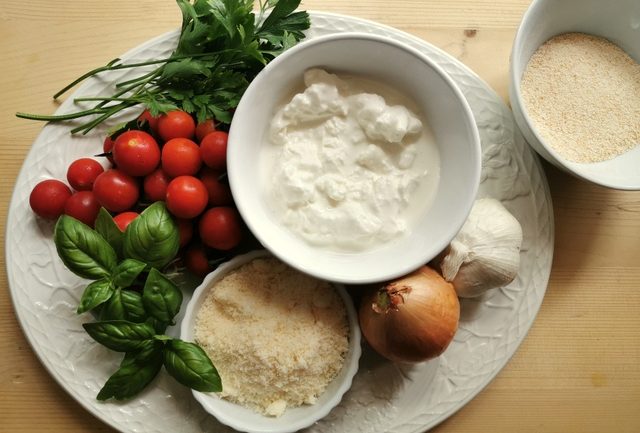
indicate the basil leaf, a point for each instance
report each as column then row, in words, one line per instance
column 150, row 349
column 191, row 366
column 136, row 371
column 133, row 306
column 126, row 272
column 152, row 237
column 96, row 293
column 108, row 229
column 161, row 297
column 120, row 335
column 158, row 325
column 124, row 305
column 82, row 249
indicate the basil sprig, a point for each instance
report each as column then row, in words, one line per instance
column 189, row 365
column 133, row 299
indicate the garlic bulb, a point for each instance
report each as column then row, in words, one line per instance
column 486, row 252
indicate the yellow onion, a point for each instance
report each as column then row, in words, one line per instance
column 411, row 319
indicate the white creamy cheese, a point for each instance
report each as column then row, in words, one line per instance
column 350, row 165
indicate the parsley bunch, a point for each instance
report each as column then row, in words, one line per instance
column 222, row 46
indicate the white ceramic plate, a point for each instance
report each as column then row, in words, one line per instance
column 384, row 397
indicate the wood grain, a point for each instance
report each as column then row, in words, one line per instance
column 576, row 372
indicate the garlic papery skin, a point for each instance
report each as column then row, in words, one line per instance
column 485, row 254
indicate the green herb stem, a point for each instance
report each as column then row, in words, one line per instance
column 57, row 117
column 83, row 77
column 130, row 88
column 143, row 78
column 108, row 67
column 92, row 124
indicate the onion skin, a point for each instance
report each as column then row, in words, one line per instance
column 411, row 319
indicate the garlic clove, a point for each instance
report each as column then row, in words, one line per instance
column 457, row 255
column 485, row 273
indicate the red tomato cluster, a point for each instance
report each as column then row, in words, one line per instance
column 170, row 158
column 52, row 198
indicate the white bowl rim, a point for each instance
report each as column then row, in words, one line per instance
column 350, row 366
column 570, row 166
column 475, row 151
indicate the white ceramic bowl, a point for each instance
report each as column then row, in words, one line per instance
column 408, row 71
column 618, row 21
column 294, row 419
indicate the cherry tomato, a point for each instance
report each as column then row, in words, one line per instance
column 107, row 147
column 155, row 185
column 48, row 198
column 82, row 173
column 136, row 153
column 185, row 228
column 116, row 190
column 213, row 150
column 204, row 128
column 83, row 206
column 181, row 157
column 186, row 197
column 219, row 192
column 220, row 228
column 123, row 219
column 151, row 121
column 196, row 261
column 176, row 124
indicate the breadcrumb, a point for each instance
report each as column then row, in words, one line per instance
column 277, row 337
column 583, row 94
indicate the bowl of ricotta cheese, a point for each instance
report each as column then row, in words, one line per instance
column 354, row 158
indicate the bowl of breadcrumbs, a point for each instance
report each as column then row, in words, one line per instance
column 285, row 344
column 575, row 87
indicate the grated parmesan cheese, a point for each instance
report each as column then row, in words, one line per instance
column 276, row 336
column 583, row 94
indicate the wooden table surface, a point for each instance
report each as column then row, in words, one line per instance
column 578, row 370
